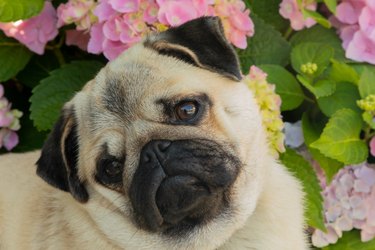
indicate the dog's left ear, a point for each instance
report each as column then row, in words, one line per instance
column 200, row 42
column 57, row 164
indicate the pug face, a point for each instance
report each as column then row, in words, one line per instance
column 165, row 147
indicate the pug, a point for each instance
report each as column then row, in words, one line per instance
column 163, row 149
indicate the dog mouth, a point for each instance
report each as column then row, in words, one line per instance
column 181, row 184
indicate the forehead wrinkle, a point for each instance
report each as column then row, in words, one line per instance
column 124, row 91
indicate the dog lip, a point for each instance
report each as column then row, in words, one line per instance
column 144, row 202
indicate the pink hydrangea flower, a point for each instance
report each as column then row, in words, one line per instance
column 289, row 9
column 236, row 21
column 35, row 32
column 79, row 12
column 77, row 38
column 349, row 202
column 355, row 21
column 122, row 23
column 9, row 123
column 372, row 146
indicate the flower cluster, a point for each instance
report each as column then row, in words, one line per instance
column 349, row 202
column 9, row 123
column 355, row 21
column 290, row 9
column 35, row 32
column 269, row 103
column 114, row 25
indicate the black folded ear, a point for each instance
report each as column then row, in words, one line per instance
column 57, row 164
column 200, row 42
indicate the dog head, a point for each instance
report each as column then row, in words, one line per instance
column 164, row 148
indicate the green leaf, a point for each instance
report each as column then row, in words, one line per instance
column 301, row 169
column 319, row 34
column 37, row 69
column 50, row 95
column 317, row 17
column 341, row 72
column 351, row 241
column 14, row 10
column 306, row 83
column 314, row 53
column 267, row 46
column 324, row 87
column 286, row 86
column 340, row 138
column 366, row 83
column 331, row 4
column 13, row 57
column 321, row 88
column 369, row 119
column 345, row 96
column 311, row 132
column 269, row 12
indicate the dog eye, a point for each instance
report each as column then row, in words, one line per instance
column 110, row 170
column 186, row 111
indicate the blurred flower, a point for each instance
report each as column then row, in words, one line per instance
column 289, row 9
column 368, row 103
column 372, row 146
column 79, row 12
column 236, row 21
column 269, row 103
column 35, row 32
column 118, row 24
column 9, row 123
column 77, row 38
column 349, row 202
column 293, row 134
column 355, row 21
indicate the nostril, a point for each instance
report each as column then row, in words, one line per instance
column 163, row 145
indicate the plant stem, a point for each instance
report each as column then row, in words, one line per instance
column 59, row 56
column 288, row 32
column 308, row 99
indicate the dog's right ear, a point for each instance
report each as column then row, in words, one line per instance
column 57, row 164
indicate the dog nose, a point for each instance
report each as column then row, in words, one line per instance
column 179, row 184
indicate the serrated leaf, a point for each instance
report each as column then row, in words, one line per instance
column 319, row 34
column 321, row 88
column 301, row 169
column 267, row 46
column 50, row 95
column 351, row 241
column 324, row 87
column 286, row 86
column 340, row 138
column 311, row 132
column 345, row 96
column 314, row 53
column 15, row 10
column 269, row 12
column 341, row 72
column 366, row 83
column 13, row 57
column 317, row 17
column 331, row 4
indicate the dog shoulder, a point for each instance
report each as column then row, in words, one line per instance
column 278, row 220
